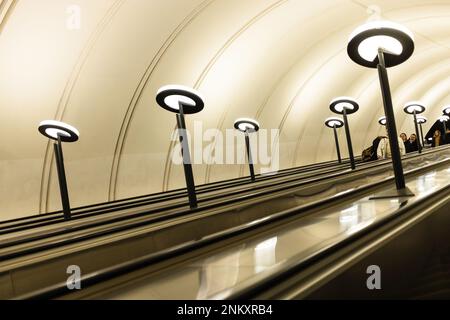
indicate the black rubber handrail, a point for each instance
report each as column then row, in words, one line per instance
column 108, row 209
column 40, row 222
column 109, row 273
column 159, row 197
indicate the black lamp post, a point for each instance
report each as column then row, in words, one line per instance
column 247, row 126
column 60, row 132
column 446, row 112
column 415, row 108
column 335, row 123
column 346, row 106
column 443, row 119
column 421, row 120
column 182, row 100
column 382, row 121
column 383, row 44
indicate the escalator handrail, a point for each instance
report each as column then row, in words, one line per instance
column 181, row 190
column 48, row 221
column 162, row 196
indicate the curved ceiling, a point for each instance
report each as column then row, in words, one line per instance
column 279, row 61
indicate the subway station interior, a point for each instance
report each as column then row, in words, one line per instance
column 224, row 149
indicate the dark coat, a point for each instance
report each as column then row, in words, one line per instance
column 413, row 146
column 410, row 147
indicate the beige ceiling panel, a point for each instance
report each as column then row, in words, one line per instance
column 104, row 91
column 37, row 52
column 279, row 61
column 255, row 66
column 190, row 60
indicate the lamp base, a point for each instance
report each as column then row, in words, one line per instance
column 393, row 193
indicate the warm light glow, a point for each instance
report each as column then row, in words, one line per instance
column 246, row 126
column 265, row 254
column 269, row 244
column 52, row 132
column 368, row 49
column 349, row 216
column 174, row 101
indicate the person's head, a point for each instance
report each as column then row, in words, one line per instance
column 412, row 138
column 437, row 133
column 403, row 136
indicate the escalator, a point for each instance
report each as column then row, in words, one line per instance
column 407, row 256
column 18, row 234
column 187, row 260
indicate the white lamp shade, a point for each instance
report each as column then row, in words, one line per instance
column 412, row 106
column 396, row 41
column 171, row 96
column 334, row 122
column 246, row 124
column 55, row 129
column 337, row 105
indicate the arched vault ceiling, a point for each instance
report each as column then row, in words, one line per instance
column 279, row 61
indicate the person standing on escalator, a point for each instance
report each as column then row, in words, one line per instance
column 414, row 143
column 406, row 142
column 437, row 139
column 384, row 149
